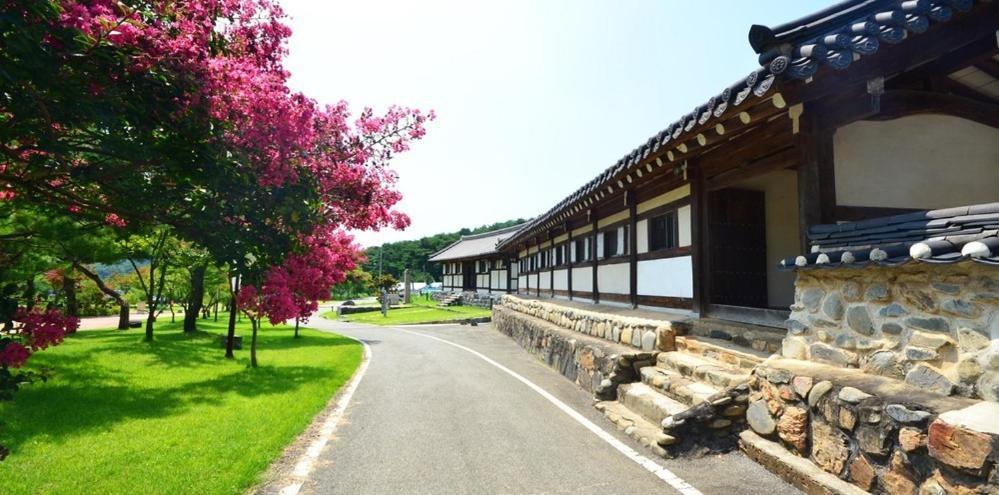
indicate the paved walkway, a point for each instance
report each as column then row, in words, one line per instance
column 431, row 417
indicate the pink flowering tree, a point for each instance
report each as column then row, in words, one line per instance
column 24, row 333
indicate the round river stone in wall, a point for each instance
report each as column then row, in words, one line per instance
column 759, row 418
column 811, row 298
column 927, row 378
column 859, row 320
column 833, row 307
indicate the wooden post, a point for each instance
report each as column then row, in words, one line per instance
column 509, row 276
column 697, row 237
column 816, row 161
column 489, row 276
column 593, row 257
column 568, row 252
column 537, row 266
column 632, row 247
column 551, row 263
column 405, row 286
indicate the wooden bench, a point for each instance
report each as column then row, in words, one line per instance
column 237, row 341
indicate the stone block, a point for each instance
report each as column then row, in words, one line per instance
column 859, row 320
column 833, row 306
column 873, row 439
column 927, row 378
column 962, row 308
column 830, row 448
column 904, row 415
column 802, row 385
column 818, row 391
column 933, row 323
column 862, row 473
column 831, row 355
column 759, row 418
column 794, row 348
column 811, row 298
column 911, row 439
column 893, row 310
column 876, row 291
column 917, row 297
column 851, row 291
column 792, row 427
column 966, row 438
column 852, row 395
column 883, row 363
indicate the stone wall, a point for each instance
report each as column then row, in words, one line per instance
column 596, row 365
column 642, row 333
column 874, row 432
column 933, row 326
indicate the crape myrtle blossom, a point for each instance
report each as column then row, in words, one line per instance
column 33, row 331
column 208, row 75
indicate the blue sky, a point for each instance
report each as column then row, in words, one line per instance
column 533, row 97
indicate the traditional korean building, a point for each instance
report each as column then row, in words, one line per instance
column 817, row 244
column 865, row 109
column 473, row 264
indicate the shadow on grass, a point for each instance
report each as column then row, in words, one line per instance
column 87, row 394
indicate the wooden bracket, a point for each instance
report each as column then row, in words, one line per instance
column 795, row 113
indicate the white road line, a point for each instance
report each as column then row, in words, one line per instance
column 308, row 459
column 648, row 464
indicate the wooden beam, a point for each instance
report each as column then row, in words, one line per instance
column 783, row 158
column 895, row 104
column 809, row 145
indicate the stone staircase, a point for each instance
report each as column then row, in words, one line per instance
column 449, row 300
column 691, row 400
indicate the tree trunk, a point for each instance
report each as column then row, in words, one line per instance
column 151, row 304
column 69, row 288
column 253, row 343
column 196, row 299
column 232, row 321
column 113, row 294
column 296, row 326
column 29, row 293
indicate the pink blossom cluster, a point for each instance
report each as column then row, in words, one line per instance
column 292, row 290
column 35, row 330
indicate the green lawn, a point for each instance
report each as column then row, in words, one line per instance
column 420, row 311
column 121, row 416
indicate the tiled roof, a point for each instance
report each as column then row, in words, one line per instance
column 833, row 37
column 938, row 236
column 472, row 246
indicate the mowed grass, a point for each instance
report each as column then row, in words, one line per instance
column 419, row 311
column 121, row 416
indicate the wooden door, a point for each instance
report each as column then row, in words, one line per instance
column 468, row 276
column 737, row 248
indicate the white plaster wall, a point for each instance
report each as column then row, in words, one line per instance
column 582, row 279
column 600, row 246
column 546, row 280
column 781, row 204
column 613, row 278
column 919, row 161
column 642, row 235
column 482, row 281
column 672, row 277
column 561, row 280
column 522, row 281
column 683, row 223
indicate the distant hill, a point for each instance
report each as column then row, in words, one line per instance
column 398, row 256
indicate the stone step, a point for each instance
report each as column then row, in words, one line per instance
column 650, row 435
column 703, row 369
column 677, row 386
column 746, row 335
column 798, row 471
column 650, row 404
column 720, row 350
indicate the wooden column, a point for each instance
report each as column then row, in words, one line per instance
column 698, row 237
column 632, row 248
column 568, row 252
column 551, row 263
column 538, row 265
column 593, row 257
column 489, row 276
column 816, row 191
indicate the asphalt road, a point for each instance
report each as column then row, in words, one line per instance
column 429, row 417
